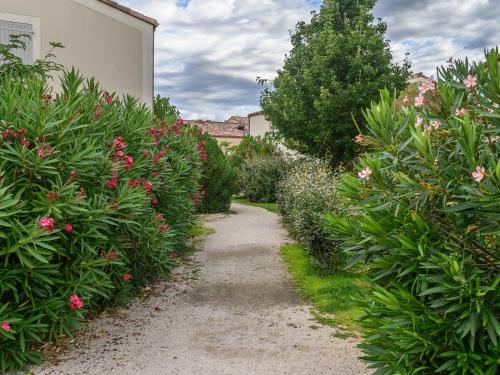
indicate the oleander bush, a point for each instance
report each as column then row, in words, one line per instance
column 219, row 177
column 305, row 194
column 423, row 214
column 260, row 176
column 95, row 201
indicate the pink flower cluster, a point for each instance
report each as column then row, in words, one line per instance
column 98, row 111
column 44, row 151
column 73, row 175
column 435, row 124
column 202, row 151
column 177, row 126
column 470, row 82
column 5, row 326
column 365, row 174
column 119, row 143
column 126, row 277
column 164, row 228
column 75, row 302
column 478, row 174
column 109, row 255
column 112, row 183
column 123, row 158
column 172, row 255
column 157, row 134
column 108, row 99
column 160, row 154
column 427, row 85
column 20, row 135
column 47, row 223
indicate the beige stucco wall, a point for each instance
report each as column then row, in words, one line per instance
column 259, row 125
column 232, row 141
column 103, row 42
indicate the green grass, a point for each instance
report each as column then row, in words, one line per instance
column 200, row 230
column 330, row 292
column 272, row 207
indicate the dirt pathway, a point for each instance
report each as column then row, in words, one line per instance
column 239, row 315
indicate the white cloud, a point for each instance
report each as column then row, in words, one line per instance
column 209, row 53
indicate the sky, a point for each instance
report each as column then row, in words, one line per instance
column 208, row 53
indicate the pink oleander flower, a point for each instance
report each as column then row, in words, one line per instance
column 427, row 85
column 68, row 228
column 120, row 154
column 129, row 161
column 172, row 255
column 75, row 302
column 478, row 174
column 126, row 277
column 419, row 121
column 419, row 100
column 146, row 153
column 164, row 228
column 5, row 326
column 460, row 111
column 119, row 143
column 40, row 154
column 470, row 82
column 436, row 124
column 112, row 183
column 148, row 185
column 154, row 201
column 26, row 143
column 46, row 223
column 365, row 173
column 159, row 217
column 360, row 139
column 73, row 175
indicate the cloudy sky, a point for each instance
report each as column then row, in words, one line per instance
column 209, row 52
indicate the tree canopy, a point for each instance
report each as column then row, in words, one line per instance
column 338, row 64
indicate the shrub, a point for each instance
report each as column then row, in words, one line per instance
column 218, row 183
column 95, row 198
column 259, row 178
column 305, row 194
column 251, row 147
column 424, row 215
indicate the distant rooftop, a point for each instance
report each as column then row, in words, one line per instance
column 233, row 127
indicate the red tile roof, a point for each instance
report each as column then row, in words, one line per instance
column 233, row 127
column 131, row 12
column 255, row 113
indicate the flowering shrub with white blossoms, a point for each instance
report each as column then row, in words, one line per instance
column 305, row 193
column 424, row 215
column 96, row 197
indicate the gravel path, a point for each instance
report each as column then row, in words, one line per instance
column 231, row 310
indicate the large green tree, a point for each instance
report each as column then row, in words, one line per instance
column 338, row 64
